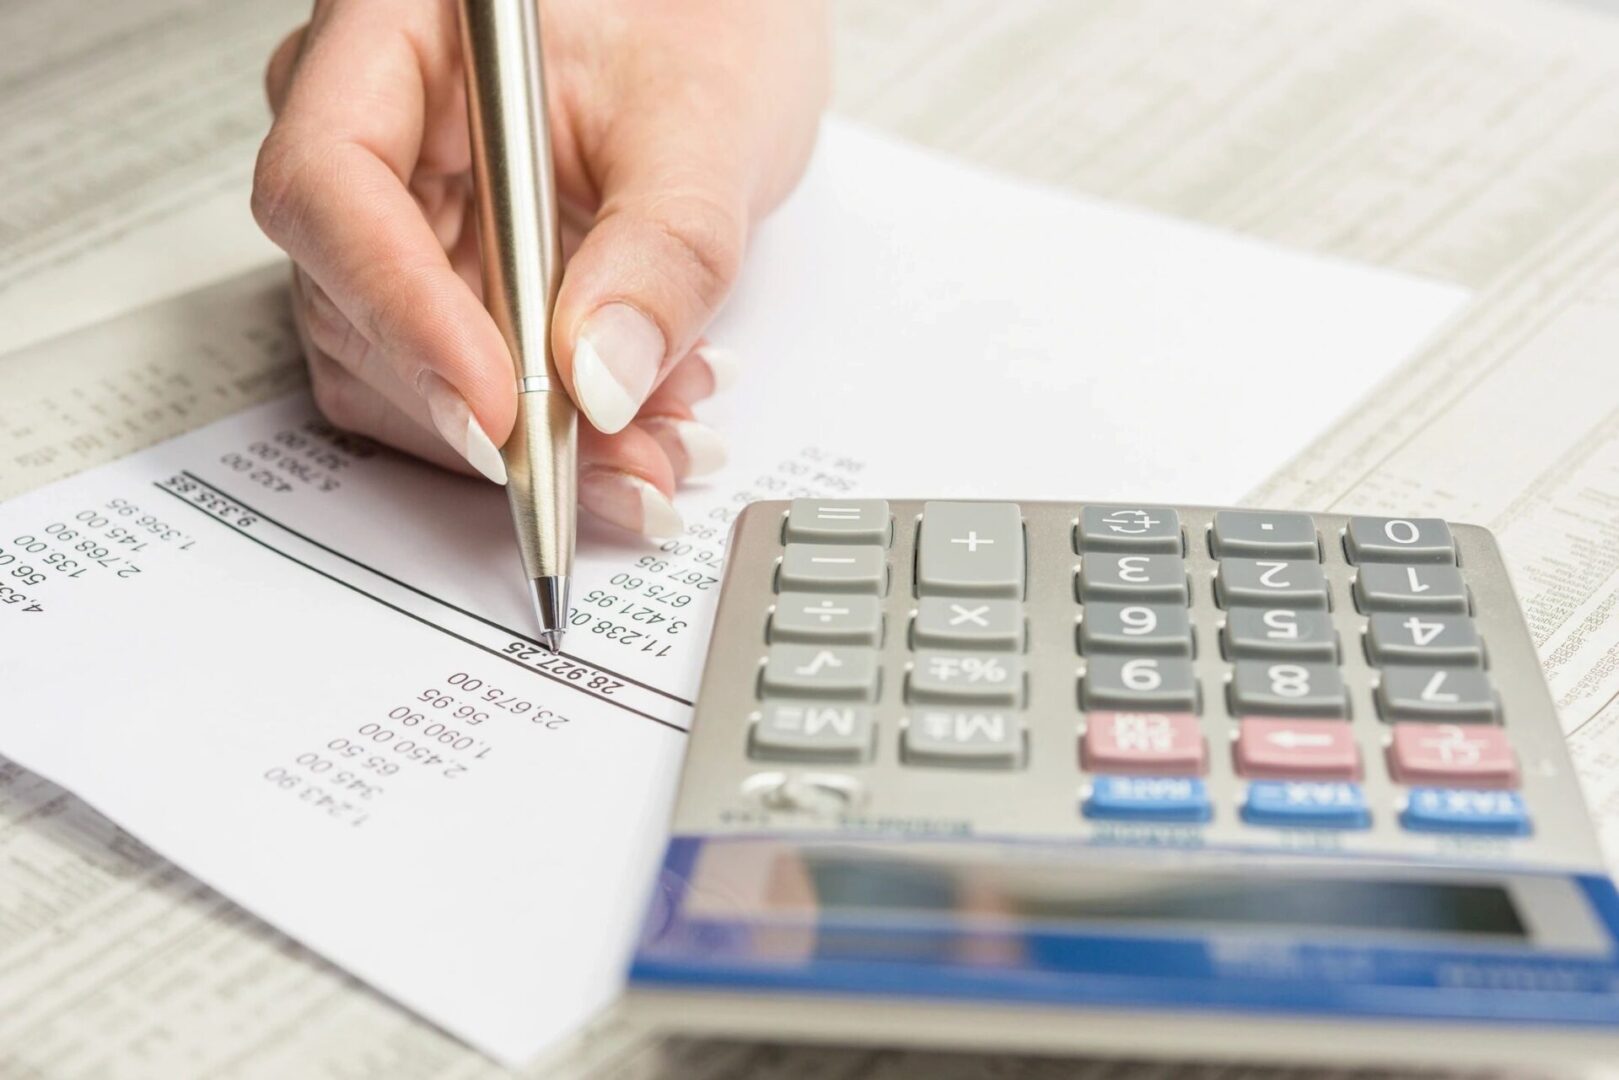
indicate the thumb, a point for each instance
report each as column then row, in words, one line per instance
column 653, row 270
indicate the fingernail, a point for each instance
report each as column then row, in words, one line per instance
column 723, row 363
column 615, row 361
column 629, row 502
column 455, row 422
column 694, row 449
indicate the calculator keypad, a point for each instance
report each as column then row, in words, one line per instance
column 975, row 678
column 1279, row 634
column 1400, row 540
column 1431, row 640
column 1144, row 744
column 815, row 618
column 1391, row 587
column 1306, row 804
column 846, row 521
column 1272, row 583
column 1297, row 749
column 1250, row 667
column 970, row 549
column 968, row 624
column 821, row 671
column 956, row 738
column 1120, row 578
column 1287, row 688
column 833, row 568
column 1452, row 695
column 1149, row 799
column 1160, row 683
column 1469, row 755
column 1109, row 626
column 805, row 732
column 1259, row 534
column 1129, row 529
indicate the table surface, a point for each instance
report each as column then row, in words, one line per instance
column 1476, row 142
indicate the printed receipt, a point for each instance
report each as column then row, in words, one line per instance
column 336, row 712
column 301, row 667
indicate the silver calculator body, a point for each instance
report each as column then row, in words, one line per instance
column 1129, row 779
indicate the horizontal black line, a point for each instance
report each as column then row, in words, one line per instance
column 410, row 614
column 427, row 595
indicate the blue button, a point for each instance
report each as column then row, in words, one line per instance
column 1306, row 805
column 1462, row 810
column 1148, row 798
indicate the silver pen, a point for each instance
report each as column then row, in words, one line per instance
column 521, row 255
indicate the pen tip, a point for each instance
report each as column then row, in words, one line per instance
column 550, row 596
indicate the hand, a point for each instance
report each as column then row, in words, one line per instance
column 674, row 126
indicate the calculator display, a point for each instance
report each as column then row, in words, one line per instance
column 843, row 885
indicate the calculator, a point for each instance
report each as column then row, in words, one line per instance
column 1103, row 778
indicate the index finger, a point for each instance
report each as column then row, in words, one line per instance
column 331, row 189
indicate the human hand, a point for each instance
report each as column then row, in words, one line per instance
column 674, row 127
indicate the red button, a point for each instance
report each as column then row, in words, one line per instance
column 1453, row 755
column 1144, row 744
column 1286, row 749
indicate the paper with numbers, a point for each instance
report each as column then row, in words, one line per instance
column 301, row 667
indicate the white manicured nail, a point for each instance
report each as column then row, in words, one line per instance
column 694, row 449
column 628, row 502
column 455, row 423
column 615, row 361
column 724, row 365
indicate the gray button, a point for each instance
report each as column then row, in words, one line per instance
column 1443, row 695
column 1135, row 628
column 1280, row 634
column 839, row 521
column 831, row 620
column 1287, row 688
column 966, row 740
column 1386, row 587
column 813, row 732
column 1262, row 534
column 833, row 568
column 970, row 549
column 1140, row 683
column 1402, row 540
column 1271, row 583
column 1154, row 529
column 978, row 678
column 1423, row 639
column 821, row 671
column 1133, row 578
column 942, row 622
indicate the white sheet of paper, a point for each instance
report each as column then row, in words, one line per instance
column 298, row 667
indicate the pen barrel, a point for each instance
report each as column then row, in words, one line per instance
column 521, row 255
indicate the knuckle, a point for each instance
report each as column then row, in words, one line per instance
column 396, row 311
column 331, row 390
column 332, row 332
column 289, row 174
column 708, row 237
column 277, row 186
